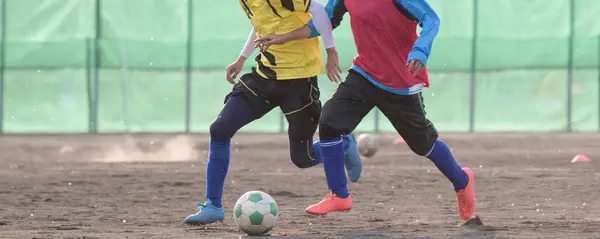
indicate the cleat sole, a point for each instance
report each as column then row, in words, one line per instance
column 323, row 214
column 201, row 224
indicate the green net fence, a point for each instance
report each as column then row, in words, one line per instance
column 76, row 66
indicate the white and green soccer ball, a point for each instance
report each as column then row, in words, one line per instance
column 255, row 213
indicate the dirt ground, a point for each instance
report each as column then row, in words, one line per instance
column 143, row 186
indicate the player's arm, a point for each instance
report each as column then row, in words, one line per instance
column 325, row 19
column 430, row 24
column 320, row 23
column 248, row 46
column 234, row 68
column 336, row 9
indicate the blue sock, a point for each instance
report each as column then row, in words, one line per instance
column 317, row 147
column 333, row 163
column 441, row 156
column 216, row 171
column 319, row 154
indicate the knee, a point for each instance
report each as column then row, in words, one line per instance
column 301, row 161
column 220, row 131
column 420, row 148
column 421, row 145
column 302, row 154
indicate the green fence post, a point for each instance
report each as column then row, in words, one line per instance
column 124, row 85
column 2, row 54
column 89, row 80
column 473, row 80
column 570, row 65
column 188, row 64
column 97, row 64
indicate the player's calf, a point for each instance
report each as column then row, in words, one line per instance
column 352, row 160
column 443, row 159
column 425, row 143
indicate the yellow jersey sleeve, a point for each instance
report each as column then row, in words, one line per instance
column 295, row 5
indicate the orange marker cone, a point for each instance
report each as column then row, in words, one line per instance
column 580, row 158
column 399, row 140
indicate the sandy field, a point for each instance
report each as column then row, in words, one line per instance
column 143, row 186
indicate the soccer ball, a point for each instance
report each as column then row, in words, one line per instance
column 255, row 213
column 367, row 145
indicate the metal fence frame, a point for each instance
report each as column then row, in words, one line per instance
column 2, row 55
column 93, row 67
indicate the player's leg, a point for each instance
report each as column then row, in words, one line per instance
column 407, row 115
column 341, row 114
column 242, row 106
column 302, row 108
column 301, row 105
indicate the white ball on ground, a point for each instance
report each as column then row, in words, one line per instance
column 255, row 213
column 367, row 145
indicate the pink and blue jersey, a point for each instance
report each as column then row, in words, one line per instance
column 385, row 34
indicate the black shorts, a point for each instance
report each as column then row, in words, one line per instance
column 356, row 97
column 298, row 99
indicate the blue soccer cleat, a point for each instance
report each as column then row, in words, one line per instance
column 352, row 159
column 207, row 214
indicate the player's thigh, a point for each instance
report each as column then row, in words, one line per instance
column 298, row 95
column 407, row 114
column 302, row 126
column 255, row 92
column 346, row 108
column 301, row 106
column 235, row 114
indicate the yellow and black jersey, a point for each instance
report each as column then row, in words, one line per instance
column 294, row 59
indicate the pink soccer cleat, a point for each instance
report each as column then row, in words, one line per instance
column 466, row 197
column 331, row 203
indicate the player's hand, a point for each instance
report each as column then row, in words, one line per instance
column 334, row 73
column 234, row 69
column 263, row 43
column 415, row 66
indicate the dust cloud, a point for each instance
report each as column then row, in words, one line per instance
column 178, row 149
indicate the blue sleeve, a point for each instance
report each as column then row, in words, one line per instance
column 336, row 10
column 430, row 24
column 313, row 29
